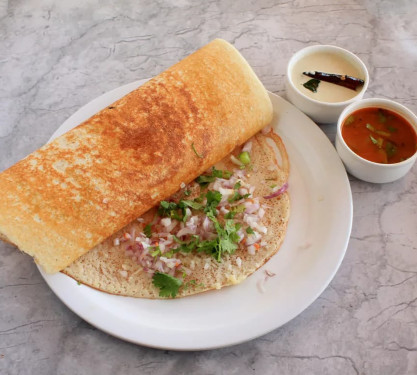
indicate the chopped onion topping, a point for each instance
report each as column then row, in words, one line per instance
column 251, row 250
column 236, row 161
column 281, row 190
column 247, row 147
column 185, row 231
column 207, row 224
column 166, row 221
column 251, row 207
column 158, row 253
column 226, row 192
column 224, row 210
column 254, row 238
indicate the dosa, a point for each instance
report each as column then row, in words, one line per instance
column 110, row 268
column 71, row 194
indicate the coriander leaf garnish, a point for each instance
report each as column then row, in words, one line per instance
column 230, row 215
column 195, row 151
column 187, row 246
column 234, row 211
column 195, row 244
column 177, row 211
column 213, row 199
column 226, row 245
column 148, row 230
column 167, row 209
column 205, row 179
column 239, row 209
column 171, row 210
column 227, row 175
column 216, row 172
column 207, row 246
column 226, row 229
column 227, row 237
column 249, row 230
column 237, row 197
column 192, row 204
column 168, row 285
column 221, row 174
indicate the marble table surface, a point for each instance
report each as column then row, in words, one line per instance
column 57, row 56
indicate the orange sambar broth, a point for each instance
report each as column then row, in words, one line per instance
column 379, row 135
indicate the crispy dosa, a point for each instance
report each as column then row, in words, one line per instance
column 108, row 268
column 71, row 194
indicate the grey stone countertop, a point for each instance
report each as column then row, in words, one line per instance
column 56, row 56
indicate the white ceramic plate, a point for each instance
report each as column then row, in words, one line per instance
column 316, row 241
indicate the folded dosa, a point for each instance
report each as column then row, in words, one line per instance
column 71, row 194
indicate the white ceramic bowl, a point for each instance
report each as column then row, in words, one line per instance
column 318, row 111
column 364, row 169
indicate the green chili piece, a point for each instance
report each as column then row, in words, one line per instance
column 244, row 157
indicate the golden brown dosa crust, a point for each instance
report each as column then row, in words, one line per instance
column 71, row 194
column 101, row 267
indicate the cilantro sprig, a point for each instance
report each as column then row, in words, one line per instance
column 249, row 230
column 237, row 197
column 213, row 200
column 226, row 241
column 227, row 237
column 168, row 285
column 195, row 244
column 148, row 230
column 177, row 211
column 205, row 179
